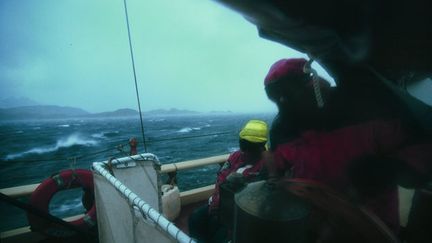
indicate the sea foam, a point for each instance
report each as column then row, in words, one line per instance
column 189, row 129
column 105, row 134
column 72, row 140
column 66, row 206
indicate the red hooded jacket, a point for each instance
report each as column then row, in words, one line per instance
column 325, row 157
column 240, row 162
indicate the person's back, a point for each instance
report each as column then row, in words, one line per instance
column 325, row 142
column 204, row 223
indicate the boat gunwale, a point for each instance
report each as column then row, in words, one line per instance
column 26, row 190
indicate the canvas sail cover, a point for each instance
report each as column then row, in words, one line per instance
column 119, row 199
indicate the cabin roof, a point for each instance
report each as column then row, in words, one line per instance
column 393, row 37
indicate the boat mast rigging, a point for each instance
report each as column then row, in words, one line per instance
column 134, row 74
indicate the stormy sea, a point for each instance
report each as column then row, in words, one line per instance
column 31, row 151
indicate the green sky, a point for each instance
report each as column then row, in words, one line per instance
column 190, row 54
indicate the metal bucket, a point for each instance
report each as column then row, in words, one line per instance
column 264, row 212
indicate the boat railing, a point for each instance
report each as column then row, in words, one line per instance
column 186, row 197
column 191, row 164
column 26, row 190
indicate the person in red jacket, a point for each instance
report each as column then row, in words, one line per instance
column 364, row 159
column 246, row 163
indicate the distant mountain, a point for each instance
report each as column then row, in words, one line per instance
column 41, row 112
column 172, row 111
column 117, row 113
column 55, row 112
column 16, row 102
column 221, row 112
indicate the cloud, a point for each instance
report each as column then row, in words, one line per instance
column 189, row 54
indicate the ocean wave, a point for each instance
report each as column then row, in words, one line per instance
column 72, row 140
column 66, row 206
column 98, row 135
column 157, row 120
column 185, row 130
column 203, row 169
column 111, row 134
column 233, row 149
column 105, row 134
column 64, row 125
column 189, row 129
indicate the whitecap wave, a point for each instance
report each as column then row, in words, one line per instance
column 189, row 129
column 185, row 130
column 66, row 206
column 98, row 135
column 64, row 125
column 74, row 139
column 101, row 135
column 232, row 149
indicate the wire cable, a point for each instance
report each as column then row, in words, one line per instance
column 134, row 73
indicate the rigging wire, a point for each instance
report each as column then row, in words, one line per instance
column 134, row 73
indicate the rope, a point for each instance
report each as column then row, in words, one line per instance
column 315, row 82
column 150, row 213
column 134, row 73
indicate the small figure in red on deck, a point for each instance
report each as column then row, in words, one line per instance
column 133, row 143
column 204, row 223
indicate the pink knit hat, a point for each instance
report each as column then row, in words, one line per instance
column 285, row 67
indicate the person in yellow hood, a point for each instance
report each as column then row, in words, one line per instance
column 247, row 162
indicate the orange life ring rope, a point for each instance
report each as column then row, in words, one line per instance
column 43, row 194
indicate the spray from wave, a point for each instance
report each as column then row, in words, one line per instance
column 72, row 140
column 233, row 149
column 98, row 135
column 189, row 129
column 66, row 206
column 101, row 135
